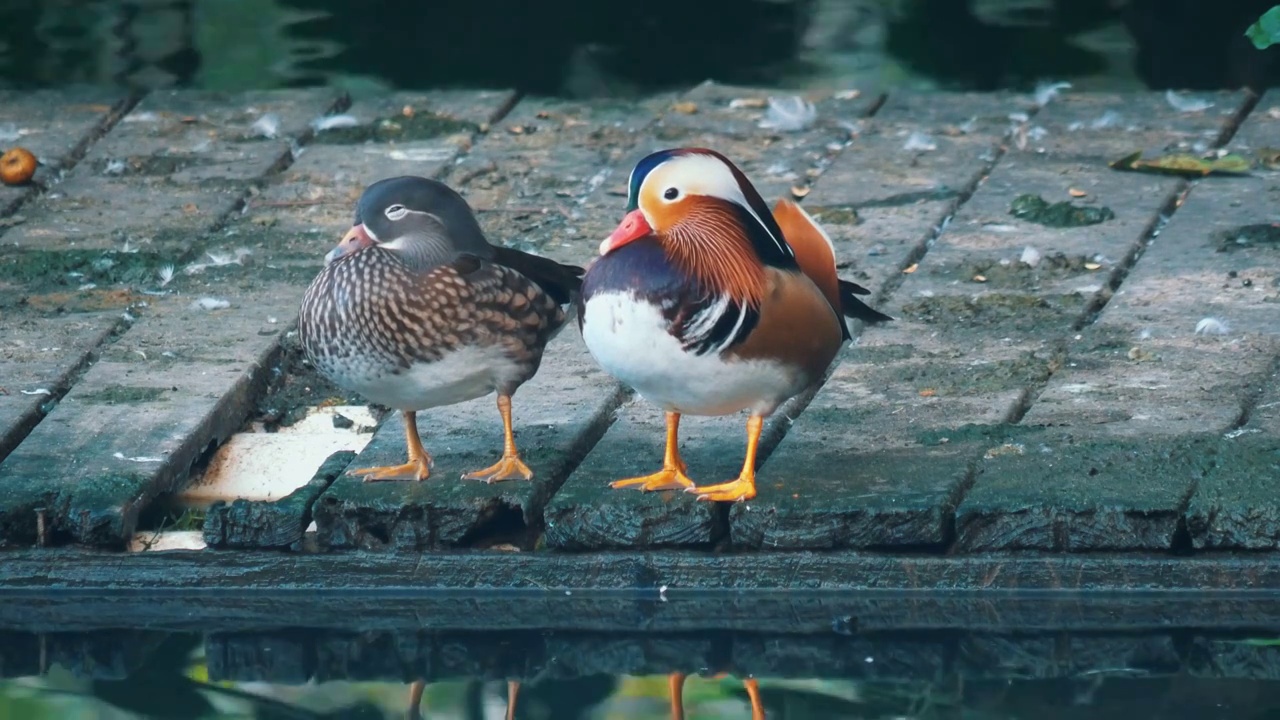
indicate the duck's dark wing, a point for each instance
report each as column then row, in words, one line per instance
column 851, row 306
column 561, row 282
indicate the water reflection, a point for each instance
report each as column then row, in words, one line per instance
column 582, row 48
column 1099, row 676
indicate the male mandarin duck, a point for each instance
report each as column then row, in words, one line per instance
column 708, row 304
column 414, row 309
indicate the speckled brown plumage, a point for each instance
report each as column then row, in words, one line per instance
column 371, row 316
column 415, row 309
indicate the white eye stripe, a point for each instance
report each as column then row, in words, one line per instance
column 396, row 212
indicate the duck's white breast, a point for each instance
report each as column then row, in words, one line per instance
column 458, row 376
column 628, row 337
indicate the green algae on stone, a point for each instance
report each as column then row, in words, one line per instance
column 159, row 165
column 954, row 379
column 399, row 128
column 971, row 432
column 122, row 394
column 1247, row 236
column 1011, row 311
column 1018, row 275
column 836, row 215
column 41, row 269
column 1036, row 209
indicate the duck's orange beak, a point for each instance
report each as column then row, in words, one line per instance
column 357, row 238
column 633, row 227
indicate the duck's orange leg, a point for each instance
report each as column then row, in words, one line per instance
column 419, row 465
column 672, row 475
column 513, row 692
column 753, row 693
column 415, row 700
column 675, row 682
column 744, row 488
column 510, row 466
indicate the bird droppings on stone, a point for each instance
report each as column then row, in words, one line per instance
column 1047, row 91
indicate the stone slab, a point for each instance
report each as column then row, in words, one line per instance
column 1130, row 425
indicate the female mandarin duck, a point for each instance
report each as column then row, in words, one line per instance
column 708, row 304
column 415, row 309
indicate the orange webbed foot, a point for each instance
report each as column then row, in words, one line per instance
column 668, row 478
column 672, row 475
column 744, row 488
column 416, row 469
column 510, row 467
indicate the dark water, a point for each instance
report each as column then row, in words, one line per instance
column 967, row 656
column 587, row 48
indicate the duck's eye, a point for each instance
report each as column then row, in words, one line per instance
column 671, row 193
column 395, row 212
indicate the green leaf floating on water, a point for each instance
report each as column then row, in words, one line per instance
column 1266, row 31
column 1183, row 164
column 1060, row 214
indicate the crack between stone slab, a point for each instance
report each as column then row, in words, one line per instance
column 78, row 151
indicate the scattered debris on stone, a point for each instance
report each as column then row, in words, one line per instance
column 1046, row 92
column 334, row 122
column 17, row 166
column 138, row 458
column 209, row 303
column 1030, row 256
column 1005, row 449
column 1212, row 326
column 267, row 126
column 789, row 114
column 1186, row 103
column 1139, row 354
column 1036, row 209
column 919, row 142
column 1184, row 164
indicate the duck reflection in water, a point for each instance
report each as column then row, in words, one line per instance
column 675, row 683
column 418, row 687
